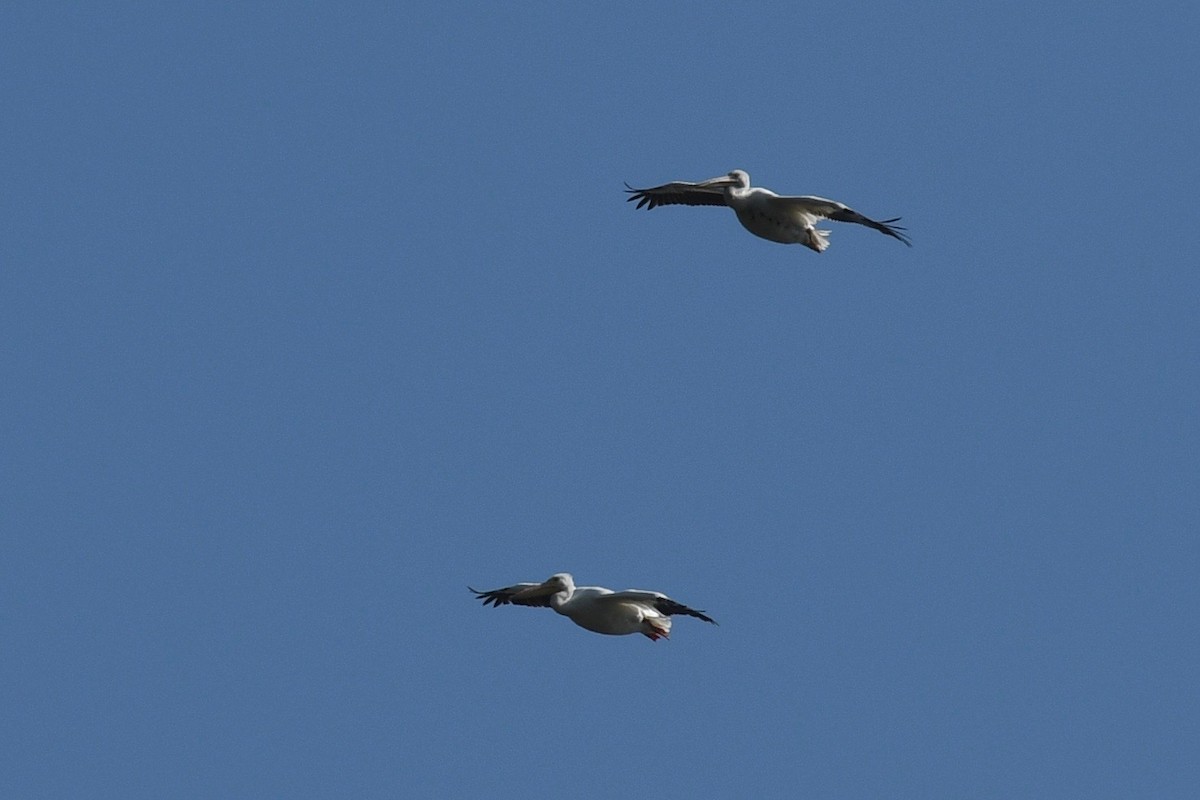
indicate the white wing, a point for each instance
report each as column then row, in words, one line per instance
column 657, row 600
column 840, row 212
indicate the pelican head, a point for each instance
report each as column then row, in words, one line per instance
column 737, row 179
column 556, row 583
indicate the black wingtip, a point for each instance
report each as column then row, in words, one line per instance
column 487, row 597
column 890, row 227
column 896, row 230
column 639, row 195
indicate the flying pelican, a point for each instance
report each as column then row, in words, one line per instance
column 787, row 220
column 596, row 608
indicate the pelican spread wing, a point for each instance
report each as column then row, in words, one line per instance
column 509, row 594
column 840, row 212
column 658, row 601
column 677, row 193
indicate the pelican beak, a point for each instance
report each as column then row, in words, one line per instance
column 718, row 182
column 541, row 590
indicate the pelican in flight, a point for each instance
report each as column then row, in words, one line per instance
column 787, row 220
column 596, row 608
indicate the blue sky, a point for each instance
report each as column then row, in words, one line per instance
column 312, row 314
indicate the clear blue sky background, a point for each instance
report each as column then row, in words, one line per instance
column 312, row 314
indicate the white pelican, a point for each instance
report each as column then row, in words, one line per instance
column 787, row 220
column 596, row 608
